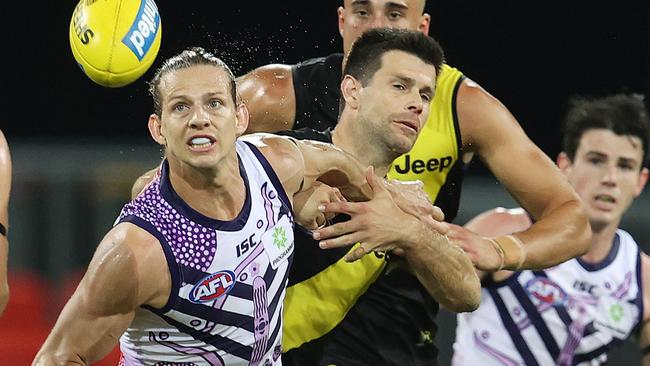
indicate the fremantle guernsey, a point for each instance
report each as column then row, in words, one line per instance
column 228, row 277
column 570, row 314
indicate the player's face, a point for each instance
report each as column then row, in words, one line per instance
column 200, row 121
column 394, row 104
column 358, row 16
column 606, row 173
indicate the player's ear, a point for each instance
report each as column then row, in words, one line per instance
column 341, row 16
column 350, row 89
column 156, row 129
column 564, row 162
column 643, row 179
column 243, row 116
column 425, row 22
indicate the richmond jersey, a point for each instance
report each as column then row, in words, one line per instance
column 571, row 314
column 228, row 277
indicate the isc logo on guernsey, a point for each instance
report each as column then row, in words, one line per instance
column 143, row 30
column 212, row 287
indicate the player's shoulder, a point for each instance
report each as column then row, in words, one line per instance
column 308, row 134
column 277, row 149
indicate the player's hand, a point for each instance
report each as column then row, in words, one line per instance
column 480, row 250
column 306, row 203
column 378, row 224
column 412, row 199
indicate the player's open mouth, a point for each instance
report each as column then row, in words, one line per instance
column 605, row 198
column 201, row 143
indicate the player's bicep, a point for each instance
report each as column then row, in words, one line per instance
column 102, row 306
column 528, row 174
column 269, row 96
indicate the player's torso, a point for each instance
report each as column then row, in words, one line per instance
column 573, row 313
column 228, row 277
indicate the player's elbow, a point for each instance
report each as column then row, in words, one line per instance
column 580, row 230
column 585, row 232
column 467, row 296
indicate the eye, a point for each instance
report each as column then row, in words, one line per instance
column 626, row 166
column 215, row 103
column 180, row 107
column 595, row 160
column 426, row 97
column 394, row 15
column 399, row 86
column 361, row 13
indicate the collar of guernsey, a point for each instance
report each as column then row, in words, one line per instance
column 315, row 306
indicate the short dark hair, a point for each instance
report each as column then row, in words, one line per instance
column 623, row 114
column 189, row 57
column 364, row 58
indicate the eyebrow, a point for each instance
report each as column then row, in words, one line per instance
column 622, row 158
column 185, row 97
column 389, row 5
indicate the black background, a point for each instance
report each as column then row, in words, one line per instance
column 530, row 55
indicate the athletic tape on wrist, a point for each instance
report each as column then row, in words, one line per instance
column 513, row 250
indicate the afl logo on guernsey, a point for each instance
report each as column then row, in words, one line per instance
column 212, row 287
column 143, row 30
column 546, row 291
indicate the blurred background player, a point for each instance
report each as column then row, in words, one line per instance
column 464, row 120
column 5, row 189
column 576, row 312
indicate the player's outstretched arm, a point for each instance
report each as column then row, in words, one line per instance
column 380, row 224
column 125, row 272
column 269, row 95
column 561, row 230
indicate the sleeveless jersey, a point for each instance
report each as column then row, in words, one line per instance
column 570, row 314
column 362, row 334
column 228, row 277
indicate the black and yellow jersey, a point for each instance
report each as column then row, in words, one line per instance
column 368, row 312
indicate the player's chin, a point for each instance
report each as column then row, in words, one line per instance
column 402, row 144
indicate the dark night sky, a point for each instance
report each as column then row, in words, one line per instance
column 530, row 55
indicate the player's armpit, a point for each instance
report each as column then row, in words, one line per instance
column 269, row 96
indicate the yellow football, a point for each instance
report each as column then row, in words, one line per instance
column 115, row 41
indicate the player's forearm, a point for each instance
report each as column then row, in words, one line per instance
column 559, row 236
column 444, row 270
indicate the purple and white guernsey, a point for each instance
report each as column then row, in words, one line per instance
column 571, row 314
column 228, row 277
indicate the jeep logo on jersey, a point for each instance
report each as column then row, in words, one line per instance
column 212, row 287
column 546, row 291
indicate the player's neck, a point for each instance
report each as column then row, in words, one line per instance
column 602, row 240
column 216, row 193
column 367, row 154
